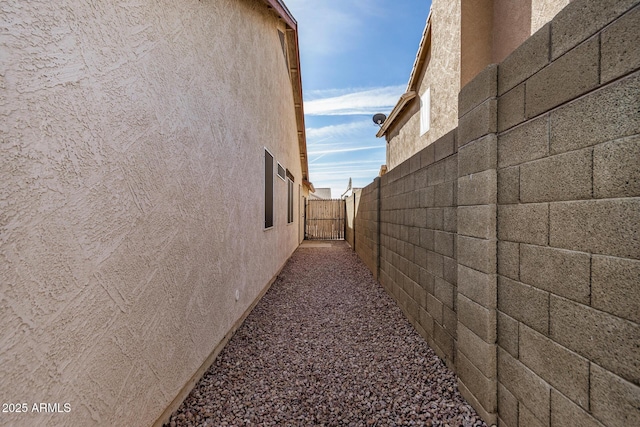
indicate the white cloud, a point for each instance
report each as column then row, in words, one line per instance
column 338, row 131
column 315, row 152
column 368, row 101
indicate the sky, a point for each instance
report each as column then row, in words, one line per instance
column 356, row 58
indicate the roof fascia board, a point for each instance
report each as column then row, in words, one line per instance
column 412, row 86
column 404, row 100
column 283, row 12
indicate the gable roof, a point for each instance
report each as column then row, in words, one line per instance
column 281, row 10
column 416, row 72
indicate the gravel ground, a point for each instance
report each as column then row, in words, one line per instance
column 326, row 346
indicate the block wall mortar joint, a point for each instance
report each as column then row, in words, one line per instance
column 600, row 58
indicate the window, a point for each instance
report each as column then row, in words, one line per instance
column 268, row 189
column 281, row 172
column 289, row 201
column 425, row 111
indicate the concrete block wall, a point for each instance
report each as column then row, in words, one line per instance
column 568, row 212
column 477, row 243
column 417, row 242
column 512, row 244
column 367, row 226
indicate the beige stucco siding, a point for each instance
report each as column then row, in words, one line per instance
column 131, row 196
column 442, row 77
column 543, row 11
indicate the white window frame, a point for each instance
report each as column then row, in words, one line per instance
column 273, row 216
column 284, row 170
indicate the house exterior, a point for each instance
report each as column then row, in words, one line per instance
column 460, row 39
column 153, row 167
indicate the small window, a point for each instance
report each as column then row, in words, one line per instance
column 289, row 201
column 281, row 172
column 425, row 111
column 268, row 189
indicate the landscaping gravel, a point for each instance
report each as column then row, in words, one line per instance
column 326, row 346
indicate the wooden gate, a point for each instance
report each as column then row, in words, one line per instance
column 325, row 219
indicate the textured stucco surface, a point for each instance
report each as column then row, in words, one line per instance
column 131, row 204
column 543, row 11
column 442, row 77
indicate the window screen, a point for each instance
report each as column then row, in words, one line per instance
column 289, row 201
column 268, row 189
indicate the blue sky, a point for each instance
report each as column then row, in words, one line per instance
column 356, row 58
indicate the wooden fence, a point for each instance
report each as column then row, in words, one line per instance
column 325, row 219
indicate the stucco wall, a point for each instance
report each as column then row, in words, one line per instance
column 442, row 77
column 131, row 204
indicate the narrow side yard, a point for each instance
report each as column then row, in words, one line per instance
column 326, row 346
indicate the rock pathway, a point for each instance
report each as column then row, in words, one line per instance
column 326, row 346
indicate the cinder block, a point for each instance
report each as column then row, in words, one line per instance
column 427, row 155
column 523, row 62
column 444, row 243
column 616, row 168
column 508, row 406
column 562, row 272
column 426, row 238
column 606, row 114
column 434, row 264
column 526, row 142
column 508, row 334
column 482, row 354
column 566, row 413
column 434, row 308
column 614, row 401
column 450, row 267
column 478, row 286
column 512, row 218
column 509, row 185
column 444, row 194
column 562, row 368
column 615, row 286
column 619, row 44
column 427, row 280
column 608, row 227
column 436, row 173
column 477, row 221
column 478, row 155
column 481, row 320
column 489, row 417
column 581, row 19
column 450, row 216
column 562, row 177
column 444, row 340
column 445, row 292
column 511, row 108
column 530, row 390
column 479, row 254
column 509, row 259
column 524, row 303
column 478, row 122
column 484, row 389
column 527, row 418
column 482, row 87
column 564, row 79
column 478, row 189
column 604, row 339
column 426, row 321
column 445, row 146
column 435, row 218
column 450, row 322
column 451, row 168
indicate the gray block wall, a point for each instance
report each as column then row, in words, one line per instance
column 512, row 244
